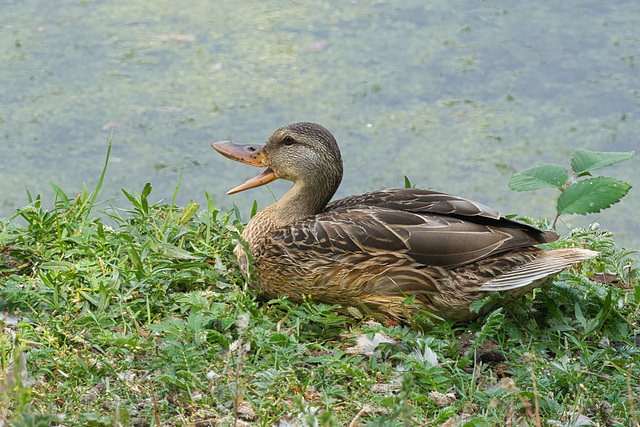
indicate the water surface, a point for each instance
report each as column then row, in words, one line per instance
column 457, row 95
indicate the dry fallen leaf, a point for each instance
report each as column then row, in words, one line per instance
column 442, row 400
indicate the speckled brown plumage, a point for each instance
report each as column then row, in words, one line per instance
column 377, row 248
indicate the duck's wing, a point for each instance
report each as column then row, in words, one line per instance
column 419, row 201
column 428, row 239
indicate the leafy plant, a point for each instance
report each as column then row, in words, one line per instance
column 577, row 196
column 141, row 317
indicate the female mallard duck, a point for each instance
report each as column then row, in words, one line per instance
column 377, row 248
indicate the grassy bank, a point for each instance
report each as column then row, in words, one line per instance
column 147, row 321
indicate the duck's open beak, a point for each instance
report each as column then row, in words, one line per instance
column 251, row 154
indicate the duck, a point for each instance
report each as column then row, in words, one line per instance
column 398, row 252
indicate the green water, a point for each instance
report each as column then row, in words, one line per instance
column 457, row 95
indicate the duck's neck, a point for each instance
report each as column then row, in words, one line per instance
column 301, row 201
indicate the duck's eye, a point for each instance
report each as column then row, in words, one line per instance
column 288, row 140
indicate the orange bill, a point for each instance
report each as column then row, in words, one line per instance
column 250, row 154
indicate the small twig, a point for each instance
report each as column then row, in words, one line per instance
column 242, row 323
column 632, row 407
column 624, row 371
column 537, row 421
column 358, row 415
column 527, row 407
column 601, row 376
column 510, row 411
column 281, row 322
column 156, row 407
column 555, row 220
column 510, row 386
column 236, row 403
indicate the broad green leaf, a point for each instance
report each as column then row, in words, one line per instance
column 189, row 211
column 146, row 190
column 236, row 211
column 177, row 252
column 591, row 195
column 129, row 196
column 134, row 256
column 561, row 328
column 58, row 266
column 543, row 176
column 60, row 193
column 583, row 161
column 144, row 197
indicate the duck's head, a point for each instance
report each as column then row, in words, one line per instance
column 304, row 153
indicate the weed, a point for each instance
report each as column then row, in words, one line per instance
column 148, row 322
column 577, row 196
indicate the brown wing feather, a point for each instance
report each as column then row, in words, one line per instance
column 417, row 200
column 425, row 238
column 427, row 201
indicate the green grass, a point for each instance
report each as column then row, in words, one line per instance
column 149, row 322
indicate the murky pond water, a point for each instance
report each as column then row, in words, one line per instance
column 457, row 95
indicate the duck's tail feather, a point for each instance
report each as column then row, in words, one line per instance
column 547, row 265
